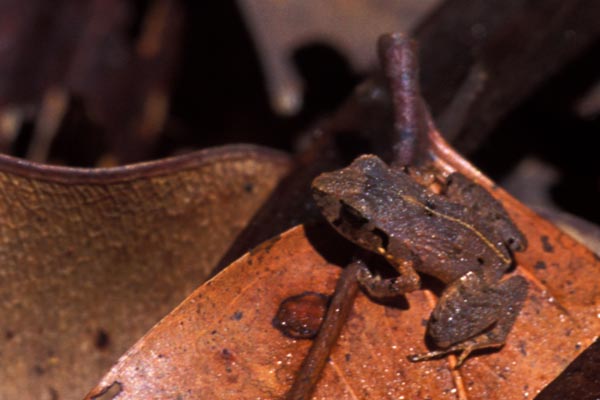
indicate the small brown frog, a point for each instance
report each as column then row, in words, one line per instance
column 462, row 236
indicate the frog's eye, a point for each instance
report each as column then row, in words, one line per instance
column 351, row 216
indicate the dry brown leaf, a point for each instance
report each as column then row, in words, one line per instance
column 220, row 342
column 91, row 259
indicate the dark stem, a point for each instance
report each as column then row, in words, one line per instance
column 398, row 57
column 337, row 314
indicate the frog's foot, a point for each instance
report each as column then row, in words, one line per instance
column 381, row 288
column 464, row 348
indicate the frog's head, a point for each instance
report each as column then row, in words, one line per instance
column 347, row 200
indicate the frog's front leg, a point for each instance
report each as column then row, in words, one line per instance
column 473, row 314
column 407, row 281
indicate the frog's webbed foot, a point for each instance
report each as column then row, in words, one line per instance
column 379, row 288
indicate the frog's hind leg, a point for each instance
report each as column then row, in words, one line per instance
column 472, row 316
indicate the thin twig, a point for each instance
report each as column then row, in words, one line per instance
column 337, row 314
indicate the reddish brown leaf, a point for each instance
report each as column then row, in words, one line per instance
column 90, row 259
column 220, row 342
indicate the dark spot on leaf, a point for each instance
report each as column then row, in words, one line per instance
column 39, row 370
column 237, row 315
column 540, row 265
column 548, row 248
column 249, row 187
column 102, row 340
column 300, row 316
column 227, row 355
column 347, row 357
column 523, row 347
column 9, row 334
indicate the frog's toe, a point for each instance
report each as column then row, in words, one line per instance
column 464, row 353
column 427, row 356
column 462, row 357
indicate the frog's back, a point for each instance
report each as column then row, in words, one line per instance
column 443, row 235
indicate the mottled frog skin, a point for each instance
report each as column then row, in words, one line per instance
column 462, row 236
